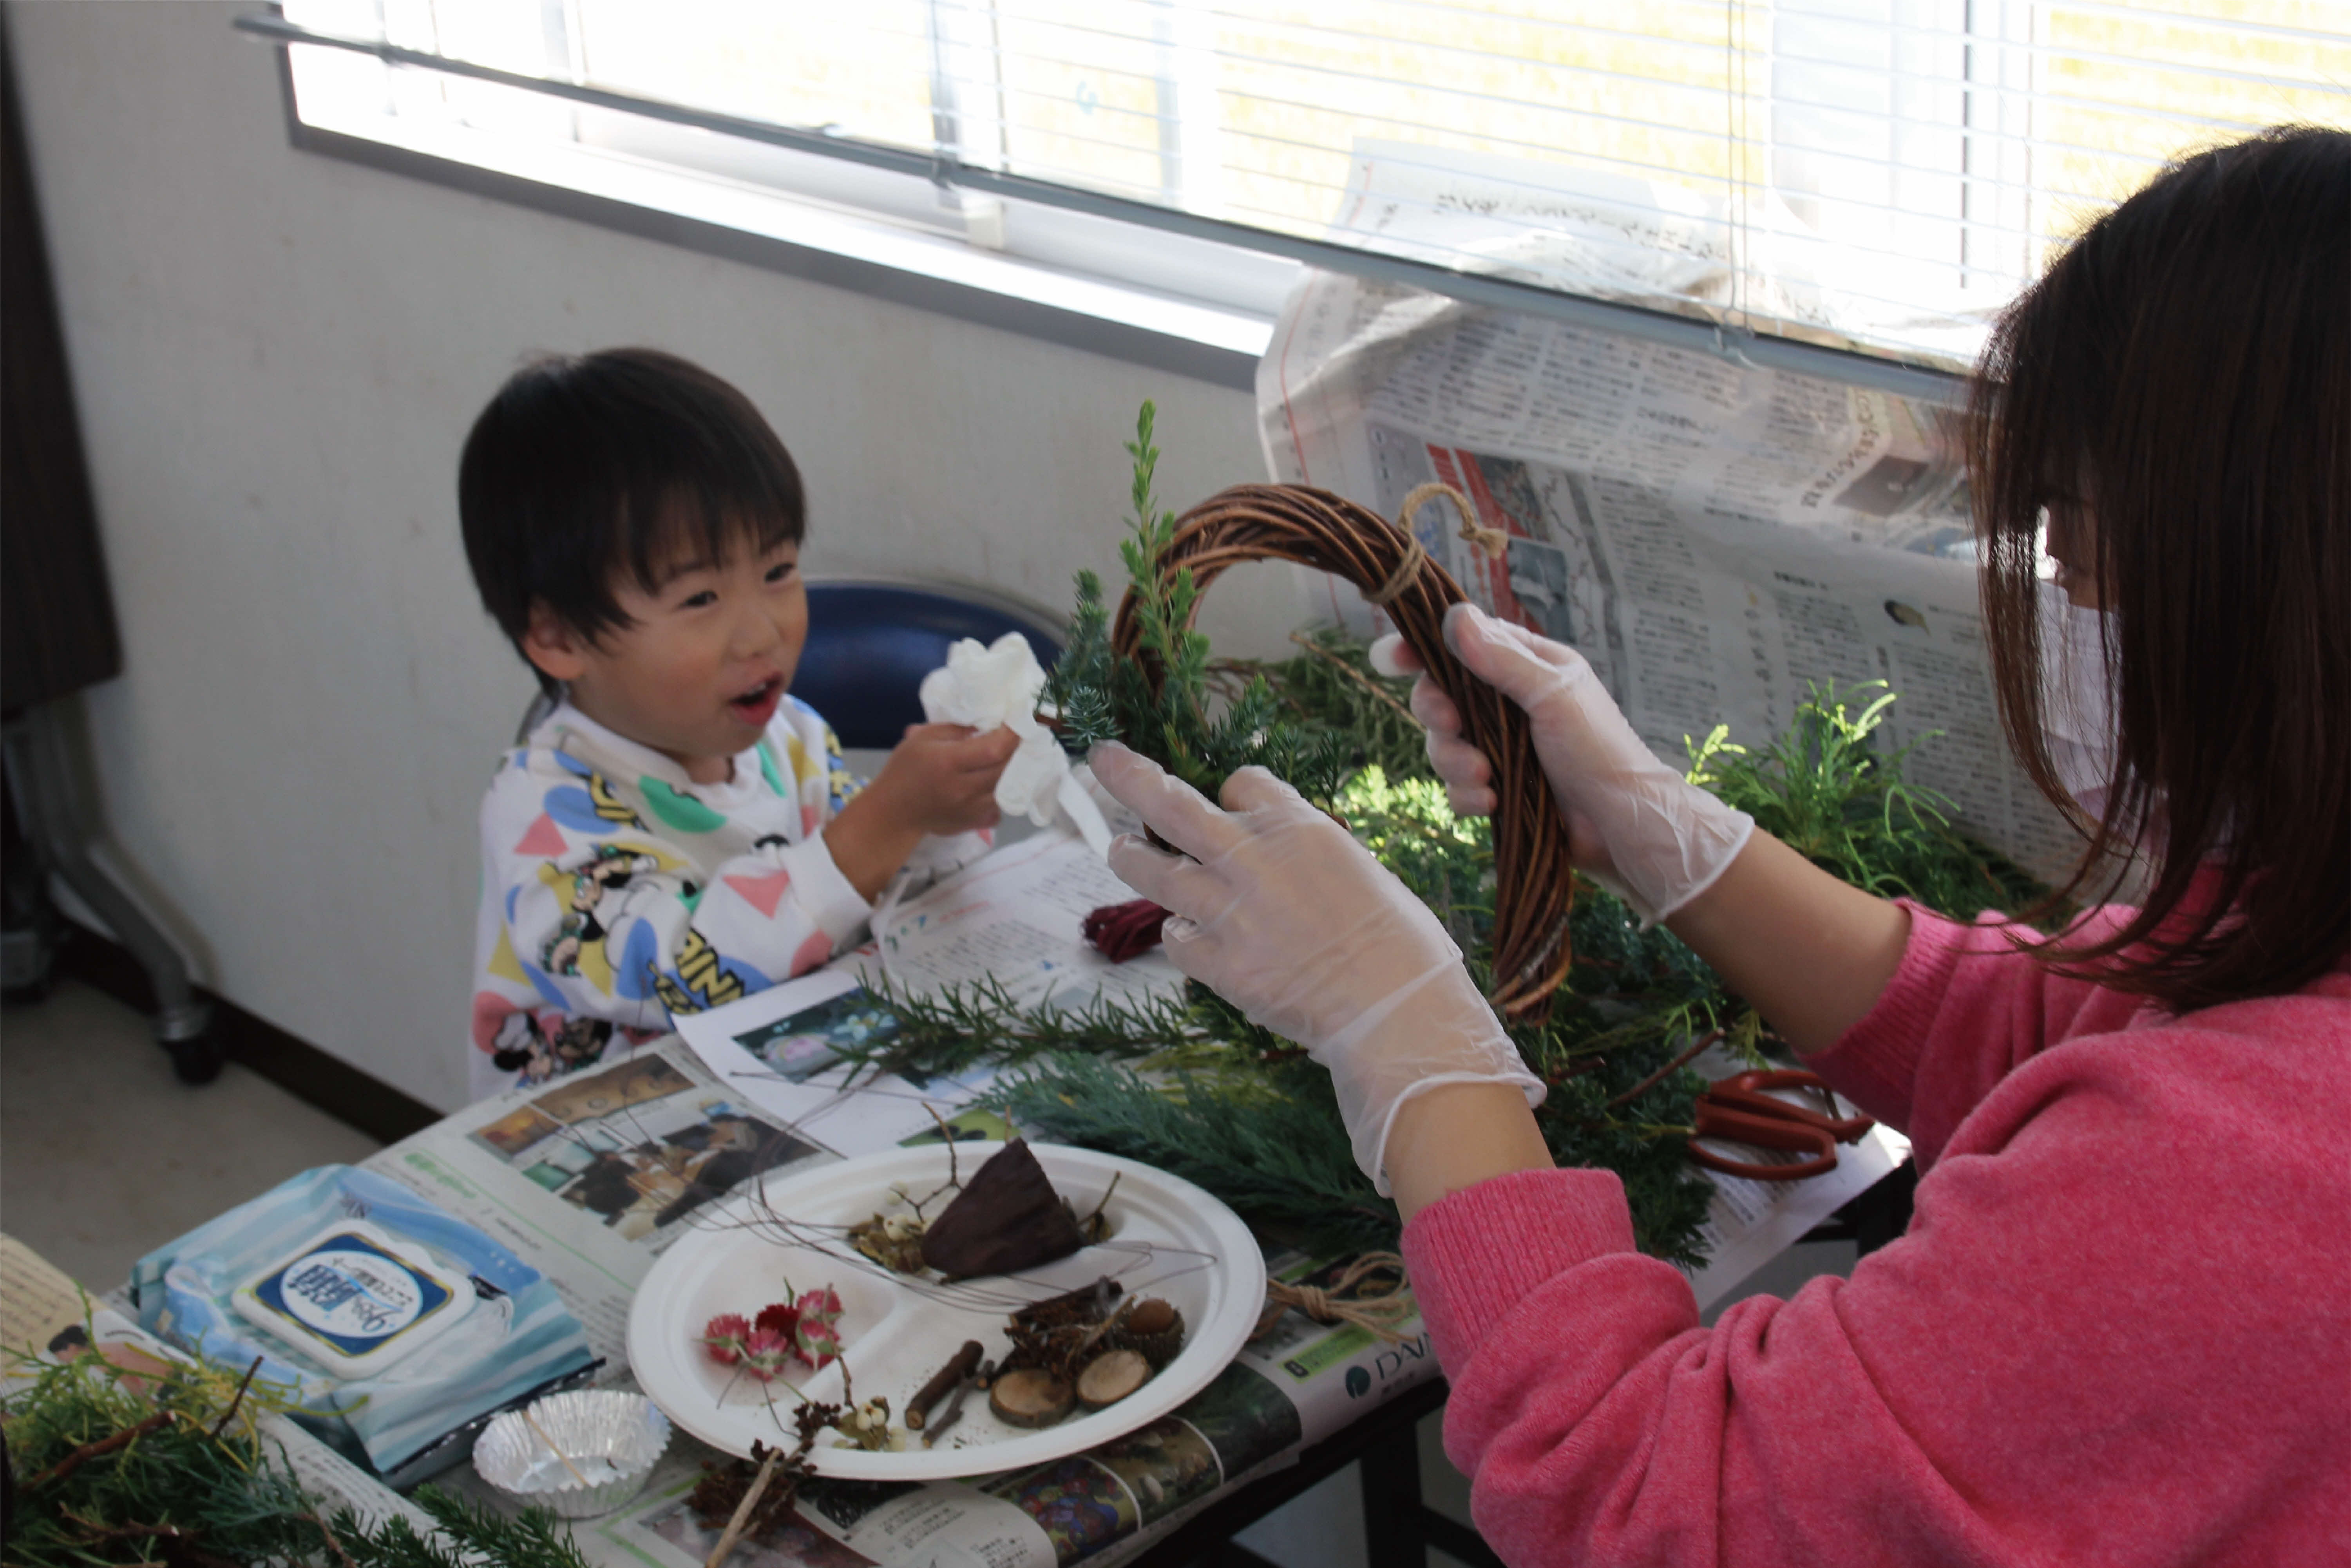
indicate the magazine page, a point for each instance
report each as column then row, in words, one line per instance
column 589, row 1177
column 782, row 1050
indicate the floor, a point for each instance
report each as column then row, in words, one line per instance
column 105, row 1155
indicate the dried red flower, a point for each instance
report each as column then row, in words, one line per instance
column 1120, row 931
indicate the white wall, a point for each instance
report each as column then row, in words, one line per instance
column 276, row 357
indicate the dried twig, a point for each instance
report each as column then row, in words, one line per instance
column 751, row 1494
column 1696, row 1048
column 1378, row 692
column 532, row 1422
column 88, row 1451
column 247, row 1382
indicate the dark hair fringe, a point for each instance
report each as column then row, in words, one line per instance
column 2188, row 359
column 627, row 460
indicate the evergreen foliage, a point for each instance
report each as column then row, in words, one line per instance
column 1192, row 1087
column 1330, row 683
column 1826, row 790
column 1161, row 702
column 1233, row 1108
column 198, row 1485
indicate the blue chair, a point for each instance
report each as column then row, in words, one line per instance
column 872, row 641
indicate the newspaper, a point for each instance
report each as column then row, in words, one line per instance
column 1717, row 538
column 1749, row 1223
column 1013, row 918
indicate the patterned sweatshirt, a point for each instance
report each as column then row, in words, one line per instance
column 2118, row 1329
column 618, row 893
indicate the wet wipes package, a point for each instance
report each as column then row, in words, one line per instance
column 354, row 1300
column 389, row 1323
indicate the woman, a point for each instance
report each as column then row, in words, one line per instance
column 2117, row 1329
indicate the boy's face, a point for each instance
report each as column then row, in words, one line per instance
column 703, row 664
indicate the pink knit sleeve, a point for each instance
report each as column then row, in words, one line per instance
column 2104, row 1341
column 1965, row 1006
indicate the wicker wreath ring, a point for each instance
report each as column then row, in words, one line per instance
column 1533, row 889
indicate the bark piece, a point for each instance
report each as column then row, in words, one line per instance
column 1007, row 1218
column 951, row 1375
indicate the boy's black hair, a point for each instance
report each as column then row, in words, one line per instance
column 626, row 460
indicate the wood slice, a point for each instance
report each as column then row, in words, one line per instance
column 1030, row 1397
column 1111, row 1377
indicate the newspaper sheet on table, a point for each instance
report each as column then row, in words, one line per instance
column 1013, row 918
column 1714, row 537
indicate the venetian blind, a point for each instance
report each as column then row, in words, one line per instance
column 1871, row 173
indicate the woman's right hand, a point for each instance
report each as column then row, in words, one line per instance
column 1634, row 824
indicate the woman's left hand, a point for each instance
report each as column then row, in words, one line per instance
column 1280, row 912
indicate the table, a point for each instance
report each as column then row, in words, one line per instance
column 1322, row 1400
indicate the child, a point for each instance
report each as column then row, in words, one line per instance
column 681, row 831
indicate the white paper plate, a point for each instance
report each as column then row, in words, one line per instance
column 1168, row 1238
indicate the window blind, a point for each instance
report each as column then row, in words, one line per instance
column 1879, row 174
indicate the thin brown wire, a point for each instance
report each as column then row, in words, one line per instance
column 1533, row 888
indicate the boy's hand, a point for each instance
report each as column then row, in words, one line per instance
column 940, row 779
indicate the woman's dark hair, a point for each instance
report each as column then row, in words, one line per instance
column 2183, row 374
column 623, row 461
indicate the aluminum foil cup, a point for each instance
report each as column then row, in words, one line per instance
column 613, row 1439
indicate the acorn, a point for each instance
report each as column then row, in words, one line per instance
column 1154, row 1327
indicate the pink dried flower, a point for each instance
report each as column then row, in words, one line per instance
column 763, row 1354
column 816, row 1339
column 781, row 1317
column 724, row 1334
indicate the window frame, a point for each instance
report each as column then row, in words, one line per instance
column 1100, row 312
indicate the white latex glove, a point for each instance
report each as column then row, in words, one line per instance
column 1281, row 912
column 1635, row 825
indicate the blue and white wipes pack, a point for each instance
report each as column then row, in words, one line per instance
column 390, row 1322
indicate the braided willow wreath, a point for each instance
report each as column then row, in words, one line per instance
column 1314, row 528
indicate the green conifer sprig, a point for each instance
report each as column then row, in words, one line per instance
column 205, row 1486
column 1162, row 702
column 1825, row 789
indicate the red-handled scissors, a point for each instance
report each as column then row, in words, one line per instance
column 1740, row 1110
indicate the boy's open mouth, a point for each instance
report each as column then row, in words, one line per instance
column 758, row 704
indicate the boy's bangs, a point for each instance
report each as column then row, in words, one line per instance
column 686, row 525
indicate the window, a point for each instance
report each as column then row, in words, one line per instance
column 1872, row 175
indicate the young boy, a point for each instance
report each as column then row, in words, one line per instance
column 681, row 831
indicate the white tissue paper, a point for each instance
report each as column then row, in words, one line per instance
column 986, row 688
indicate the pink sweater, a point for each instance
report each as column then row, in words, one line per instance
column 2118, row 1330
